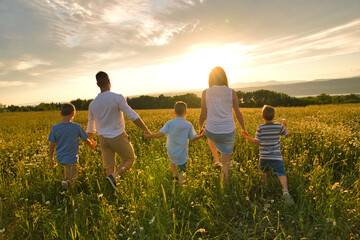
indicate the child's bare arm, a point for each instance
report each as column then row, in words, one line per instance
column 91, row 143
column 154, row 135
column 250, row 139
column 283, row 123
column 201, row 134
column 52, row 149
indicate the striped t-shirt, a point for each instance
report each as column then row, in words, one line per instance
column 268, row 135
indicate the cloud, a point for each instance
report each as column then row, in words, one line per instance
column 28, row 63
column 4, row 84
column 47, row 42
column 338, row 40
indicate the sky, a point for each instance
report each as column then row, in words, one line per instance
column 50, row 50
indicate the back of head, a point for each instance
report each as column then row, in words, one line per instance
column 67, row 109
column 268, row 112
column 180, row 108
column 102, row 79
column 218, row 77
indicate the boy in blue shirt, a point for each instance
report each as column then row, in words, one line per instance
column 268, row 137
column 179, row 133
column 65, row 136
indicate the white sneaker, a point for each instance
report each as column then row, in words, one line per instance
column 288, row 199
column 64, row 184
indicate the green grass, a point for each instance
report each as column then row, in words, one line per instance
column 321, row 159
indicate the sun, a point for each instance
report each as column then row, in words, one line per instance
column 191, row 70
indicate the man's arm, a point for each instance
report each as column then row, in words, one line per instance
column 154, row 135
column 52, row 149
column 90, row 130
column 131, row 114
column 138, row 122
column 203, row 113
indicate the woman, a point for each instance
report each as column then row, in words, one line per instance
column 217, row 103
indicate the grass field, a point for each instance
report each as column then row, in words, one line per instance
column 321, row 156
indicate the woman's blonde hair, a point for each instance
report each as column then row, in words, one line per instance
column 218, row 77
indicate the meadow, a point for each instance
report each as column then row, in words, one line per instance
column 321, row 157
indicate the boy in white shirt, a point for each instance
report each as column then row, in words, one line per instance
column 179, row 133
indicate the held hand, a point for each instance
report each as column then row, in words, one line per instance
column 244, row 134
column 201, row 132
column 93, row 144
column 147, row 135
column 283, row 122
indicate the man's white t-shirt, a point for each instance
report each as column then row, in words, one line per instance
column 106, row 114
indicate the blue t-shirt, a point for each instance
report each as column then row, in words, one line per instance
column 179, row 132
column 66, row 136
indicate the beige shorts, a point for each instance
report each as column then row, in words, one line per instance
column 120, row 145
column 71, row 171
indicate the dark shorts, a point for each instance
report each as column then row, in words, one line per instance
column 277, row 165
column 181, row 168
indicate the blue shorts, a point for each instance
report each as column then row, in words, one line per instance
column 181, row 168
column 223, row 142
column 277, row 165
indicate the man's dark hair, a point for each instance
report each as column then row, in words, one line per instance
column 67, row 109
column 180, row 108
column 268, row 112
column 102, row 79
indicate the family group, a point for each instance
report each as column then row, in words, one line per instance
column 218, row 103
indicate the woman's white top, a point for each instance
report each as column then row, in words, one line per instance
column 219, row 104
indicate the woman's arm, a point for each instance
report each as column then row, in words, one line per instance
column 203, row 113
column 237, row 112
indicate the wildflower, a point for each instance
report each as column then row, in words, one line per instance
column 100, row 195
column 141, row 229
column 47, row 202
column 152, row 221
column 134, row 232
column 201, row 230
column 247, row 199
column 2, row 230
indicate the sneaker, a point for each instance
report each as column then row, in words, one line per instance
column 217, row 164
column 112, row 181
column 288, row 199
column 64, row 184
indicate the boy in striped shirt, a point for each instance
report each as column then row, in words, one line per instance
column 268, row 137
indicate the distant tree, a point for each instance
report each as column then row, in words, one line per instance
column 77, row 103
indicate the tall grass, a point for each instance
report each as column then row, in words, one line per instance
column 321, row 158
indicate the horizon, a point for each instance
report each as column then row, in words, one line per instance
column 51, row 50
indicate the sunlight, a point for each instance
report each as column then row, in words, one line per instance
column 192, row 69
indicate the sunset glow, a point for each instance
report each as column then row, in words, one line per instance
column 51, row 50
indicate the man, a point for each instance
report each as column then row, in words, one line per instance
column 106, row 117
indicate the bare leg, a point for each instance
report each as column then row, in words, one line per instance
column 225, row 161
column 181, row 178
column 123, row 167
column 109, row 171
column 264, row 178
column 283, row 181
column 214, row 152
column 173, row 169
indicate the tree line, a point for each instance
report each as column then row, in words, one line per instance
column 246, row 99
